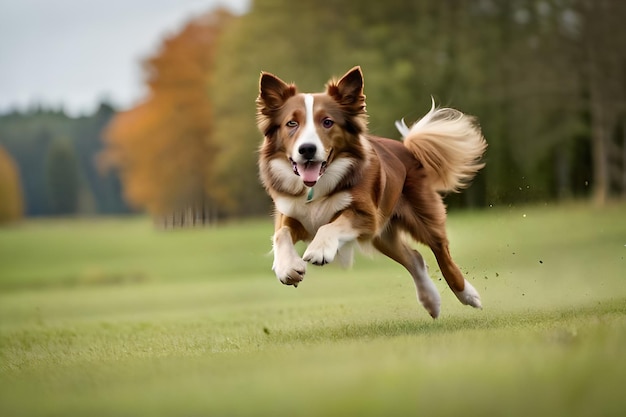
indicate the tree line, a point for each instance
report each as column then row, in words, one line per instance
column 546, row 79
column 50, row 162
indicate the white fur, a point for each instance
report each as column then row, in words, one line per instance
column 314, row 214
column 309, row 135
column 427, row 293
column 402, row 127
column 281, row 169
column 469, row 296
column 319, row 210
column 328, row 239
column 288, row 265
column 335, row 172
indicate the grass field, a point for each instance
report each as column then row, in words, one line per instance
column 113, row 318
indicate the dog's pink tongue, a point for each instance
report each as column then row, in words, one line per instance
column 310, row 172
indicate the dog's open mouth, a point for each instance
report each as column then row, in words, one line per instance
column 310, row 171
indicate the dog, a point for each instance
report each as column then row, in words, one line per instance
column 334, row 185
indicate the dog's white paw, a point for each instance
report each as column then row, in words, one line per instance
column 322, row 250
column 431, row 301
column 290, row 271
column 469, row 296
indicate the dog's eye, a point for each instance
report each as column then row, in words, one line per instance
column 328, row 123
column 292, row 123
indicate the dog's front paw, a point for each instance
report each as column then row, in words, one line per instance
column 290, row 273
column 321, row 251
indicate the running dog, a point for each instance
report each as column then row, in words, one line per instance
column 333, row 184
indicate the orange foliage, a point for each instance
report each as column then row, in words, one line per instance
column 163, row 146
column 11, row 199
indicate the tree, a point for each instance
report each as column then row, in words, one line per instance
column 87, row 139
column 545, row 78
column 63, row 178
column 404, row 63
column 603, row 36
column 163, row 147
column 11, row 202
column 28, row 135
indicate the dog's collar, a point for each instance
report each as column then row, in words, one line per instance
column 309, row 196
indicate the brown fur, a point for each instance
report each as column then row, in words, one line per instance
column 374, row 190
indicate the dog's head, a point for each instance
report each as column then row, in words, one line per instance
column 311, row 130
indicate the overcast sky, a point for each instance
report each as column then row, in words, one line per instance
column 76, row 52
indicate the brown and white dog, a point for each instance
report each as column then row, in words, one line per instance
column 333, row 184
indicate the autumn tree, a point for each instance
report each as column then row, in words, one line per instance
column 11, row 202
column 163, row 146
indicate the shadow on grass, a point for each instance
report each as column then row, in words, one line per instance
column 397, row 328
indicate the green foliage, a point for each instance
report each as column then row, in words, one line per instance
column 104, row 186
column 513, row 64
column 27, row 136
column 111, row 317
column 63, row 178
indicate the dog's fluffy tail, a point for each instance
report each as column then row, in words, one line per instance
column 449, row 144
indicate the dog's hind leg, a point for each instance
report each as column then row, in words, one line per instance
column 391, row 244
column 438, row 243
column 428, row 225
column 463, row 290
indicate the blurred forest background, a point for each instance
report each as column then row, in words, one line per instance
column 546, row 79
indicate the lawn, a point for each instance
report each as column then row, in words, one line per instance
column 110, row 317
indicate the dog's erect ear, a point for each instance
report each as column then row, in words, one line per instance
column 348, row 91
column 273, row 92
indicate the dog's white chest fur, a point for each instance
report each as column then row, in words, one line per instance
column 315, row 213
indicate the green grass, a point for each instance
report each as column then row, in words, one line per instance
column 111, row 317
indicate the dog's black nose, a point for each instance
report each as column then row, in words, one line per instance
column 307, row 150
